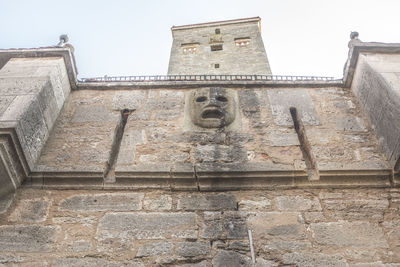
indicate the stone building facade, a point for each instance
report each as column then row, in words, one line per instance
column 253, row 171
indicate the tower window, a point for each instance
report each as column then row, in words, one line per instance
column 190, row 48
column 216, row 66
column 216, row 47
column 217, row 31
column 242, row 42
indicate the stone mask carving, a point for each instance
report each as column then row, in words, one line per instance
column 212, row 107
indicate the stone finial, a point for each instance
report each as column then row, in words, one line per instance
column 63, row 40
column 354, row 35
column 353, row 39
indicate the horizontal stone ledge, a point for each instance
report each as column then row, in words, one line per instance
column 215, row 181
column 196, row 84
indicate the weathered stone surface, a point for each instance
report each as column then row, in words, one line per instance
column 30, row 211
column 220, row 153
column 356, row 209
column 200, row 264
column 132, row 100
column 287, row 245
column 375, row 264
column 297, row 203
column 259, row 204
column 350, row 124
column 94, row 262
column 153, row 249
column 230, row 258
column 80, row 246
column 103, row 202
column 193, row 249
column 313, row 216
column 284, row 225
column 207, row 202
column 125, row 225
column 352, row 234
column 249, row 103
column 32, row 238
column 314, row 259
column 230, row 225
column 163, row 202
column 286, row 137
column 5, row 202
column 84, row 220
column 234, row 259
column 85, row 114
column 282, row 100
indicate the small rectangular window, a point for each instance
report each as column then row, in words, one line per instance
column 216, row 66
column 216, row 47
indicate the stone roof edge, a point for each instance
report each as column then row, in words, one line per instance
column 357, row 47
column 51, row 51
column 215, row 23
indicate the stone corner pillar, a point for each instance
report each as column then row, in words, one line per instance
column 34, row 85
column 373, row 74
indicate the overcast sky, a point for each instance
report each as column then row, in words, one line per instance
column 301, row 37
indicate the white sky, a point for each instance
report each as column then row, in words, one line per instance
column 301, row 37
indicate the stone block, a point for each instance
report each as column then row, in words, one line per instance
column 80, row 246
column 129, row 226
column 356, row 209
column 261, row 204
column 132, row 100
column 87, row 114
column 27, row 238
column 314, row 259
column 226, row 225
column 200, row 264
column 350, row 124
column 286, row 137
column 193, row 249
column 207, row 202
column 286, row 245
column 284, row 225
column 220, row 153
column 13, row 86
column 94, row 262
column 297, row 203
column 349, row 234
column 282, row 100
column 30, row 211
column 155, row 249
column 230, row 258
column 162, row 202
column 249, row 103
column 103, row 202
column 314, row 216
column 83, row 220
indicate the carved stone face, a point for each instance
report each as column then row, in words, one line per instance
column 212, row 107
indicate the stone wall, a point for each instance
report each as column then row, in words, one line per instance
column 312, row 227
column 232, row 59
column 158, row 144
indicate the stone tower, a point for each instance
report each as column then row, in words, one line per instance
column 223, row 47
